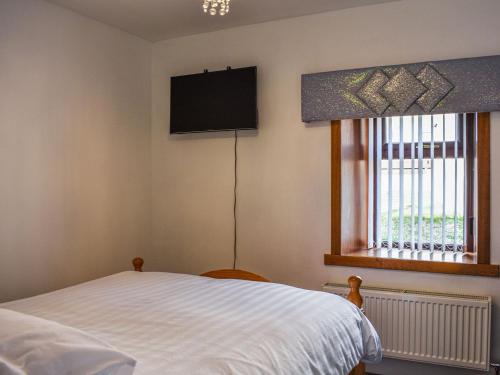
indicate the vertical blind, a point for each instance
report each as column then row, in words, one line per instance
column 418, row 183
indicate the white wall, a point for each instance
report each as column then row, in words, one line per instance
column 75, row 191
column 284, row 169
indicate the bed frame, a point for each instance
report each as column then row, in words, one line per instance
column 354, row 295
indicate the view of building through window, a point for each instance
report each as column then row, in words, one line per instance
column 419, row 181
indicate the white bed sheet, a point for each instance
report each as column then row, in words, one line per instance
column 183, row 324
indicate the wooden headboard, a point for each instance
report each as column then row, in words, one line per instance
column 354, row 282
column 235, row 274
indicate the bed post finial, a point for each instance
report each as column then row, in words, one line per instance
column 354, row 296
column 138, row 262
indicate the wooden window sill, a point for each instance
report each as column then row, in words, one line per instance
column 460, row 264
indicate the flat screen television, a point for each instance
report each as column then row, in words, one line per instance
column 214, row 101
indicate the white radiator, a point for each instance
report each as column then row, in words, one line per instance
column 444, row 329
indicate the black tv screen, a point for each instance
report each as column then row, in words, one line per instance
column 214, row 101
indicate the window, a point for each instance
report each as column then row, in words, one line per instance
column 419, row 174
column 412, row 192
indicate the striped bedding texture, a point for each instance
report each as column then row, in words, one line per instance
column 184, row 324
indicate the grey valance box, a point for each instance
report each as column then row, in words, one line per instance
column 448, row 86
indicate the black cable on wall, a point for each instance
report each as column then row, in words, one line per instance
column 235, row 244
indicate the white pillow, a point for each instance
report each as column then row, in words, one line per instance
column 31, row 345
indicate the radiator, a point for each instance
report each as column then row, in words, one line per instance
column 438, row 328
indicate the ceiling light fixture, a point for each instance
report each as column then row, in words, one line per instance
column 216, row 6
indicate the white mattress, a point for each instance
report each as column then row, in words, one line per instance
column 182, row 324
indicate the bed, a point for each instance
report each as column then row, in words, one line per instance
column 224, row 322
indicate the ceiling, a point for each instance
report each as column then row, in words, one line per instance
column 157, row 20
